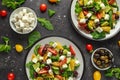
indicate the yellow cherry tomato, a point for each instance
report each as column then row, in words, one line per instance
column 97, row 75
column 19, row 47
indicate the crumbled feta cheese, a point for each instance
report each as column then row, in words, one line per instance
column 17, row 23
column 89, row 14
column 34, row 60
column 99, row 29
column 102, row 5
column 82, row 20
column 64, row 66
column 24, row 11
column 49, row 54
column 62, row 57
column 25, row 19
column 96, row 20
column 107, row 17
column 77, row 62
column 31, row 15
column 14, row 20
column 37, row 70
column 54, row 44
column 26, row 30
column 49, row 61
column 18, row 28
column 68, row 54
column 70, row 78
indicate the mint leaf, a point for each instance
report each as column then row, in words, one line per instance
column 46, row 23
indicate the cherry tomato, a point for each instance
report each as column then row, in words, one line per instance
column 43, row 7
column 63, row 61
column 98, row 15
column 89, row 47
column 72, row 50
column 111, row 1
column 3, row 13
column 40, row 50
column 83, row 25
column 53, row 51
column 11, row 76
column 85, row 12
column 43, row 71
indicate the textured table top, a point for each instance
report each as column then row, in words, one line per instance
column 61, row 20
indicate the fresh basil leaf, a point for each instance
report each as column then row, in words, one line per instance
column 5, row 39
column 51, row 12
column 46, row 23
column 36, row 49
column 97, row 35
column 33, row 37
column 2, row 47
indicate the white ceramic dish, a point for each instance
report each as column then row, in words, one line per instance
column 113, row 32
column 63, row 41
column 16, row 12
column 95, row 64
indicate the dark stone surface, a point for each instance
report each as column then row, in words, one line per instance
column 14, row 61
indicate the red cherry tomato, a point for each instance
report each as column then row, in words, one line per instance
column 40, row 50
column 11, row 76
column 43, row 7
column 111, row 1
column 3, row 13
column 83, row 25
column 89, row 47
column 72, row 50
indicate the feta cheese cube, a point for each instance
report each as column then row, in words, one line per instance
column 114, row 10
column 17, row 23
column 89, row 2
column 49, row 61
column 32, row 24
column 50, row 71
column 77, row 62
column 21, row 24
column 102, row 5
column 26, row 30
column 107, row 17
column 99, row 29
column 62, row 57
column 27, row 25
column 54, row 44
column 40, row 58
column 34, row 60
column 37, row 70
column 70, row 78
column 64, row 66
column 96, row 20
column 20, row 14
column 49, row 54
column 89, row 15
column 25, row 18
column 24, row 11
column 68, row 54
column 14, row 20
column 18, row 28
column 31, row 15
column 82, row 20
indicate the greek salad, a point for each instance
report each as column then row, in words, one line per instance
column 97, row 17
column 53, row 61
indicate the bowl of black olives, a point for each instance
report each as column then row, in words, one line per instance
column 102, row 58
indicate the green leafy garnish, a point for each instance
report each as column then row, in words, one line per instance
column 33, row 37
column 113, row 72
column 12, row 3
column 51, row 12
column 5, row 47
column 97, row 35
column 46, row 23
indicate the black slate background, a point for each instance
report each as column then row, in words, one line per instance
column 14, row 62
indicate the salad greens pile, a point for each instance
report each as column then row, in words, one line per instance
column 12, row 3
column 5, row 47
column 53, row 61
column 113, row 72
column 97, row 17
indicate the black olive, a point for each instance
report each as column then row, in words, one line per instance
column 95, row 60
column 60, row 51
column 110, row 56
column 106, row 65
column 116, row 16
column 106, row 60
column 103, row 62
column 97, row 56
column 84, row 8
column 106, row 57
column 97, row 24
column 102, row 52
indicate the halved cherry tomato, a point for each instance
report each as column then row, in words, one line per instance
column 98, row 15
column 53, row 51
column 89, row 47
column 59, row 77
column 11, row 76
column 40, row 50
column 3, row 13
column 43, row 7
column 63, row 62
column 43, row 71
column 85, row 12
column 111, row 1
column 72, row 50
column 83, row 25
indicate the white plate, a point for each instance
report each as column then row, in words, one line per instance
column 113, row 32
column 63, row 41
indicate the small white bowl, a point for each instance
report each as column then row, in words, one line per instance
column 112, row 60
column 16, row 12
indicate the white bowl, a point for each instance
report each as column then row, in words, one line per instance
column 96, row 65
column 113, row 32
column 16, row 12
